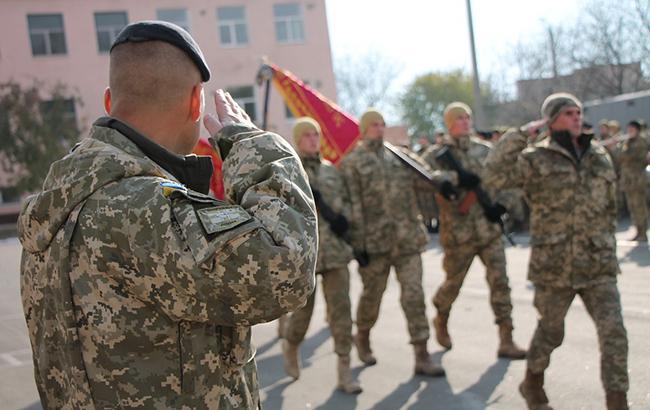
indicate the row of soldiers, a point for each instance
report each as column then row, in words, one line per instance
column 368, row 210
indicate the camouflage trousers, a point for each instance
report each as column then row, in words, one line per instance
column 336, row 289
column 408, row 269
column 638, row 207
column 603, row 304
column 457, row 262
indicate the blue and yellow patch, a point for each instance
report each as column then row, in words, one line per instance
column 169, row 187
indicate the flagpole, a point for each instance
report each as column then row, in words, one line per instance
column 267, row 94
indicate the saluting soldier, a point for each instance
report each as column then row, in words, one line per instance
column 570, row 185
column 633, row 157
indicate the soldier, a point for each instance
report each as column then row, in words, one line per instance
column 603, row 130
column 633, row 159
column 333, row 258
column 386, row 225
column 570, row 185
column 467, row 230
column 138, row 290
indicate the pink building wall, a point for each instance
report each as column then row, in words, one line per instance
column 85, row 69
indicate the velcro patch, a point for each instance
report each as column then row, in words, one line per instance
column 222, row 218
column 169, row 187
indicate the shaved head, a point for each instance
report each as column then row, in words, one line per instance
column 151, row 75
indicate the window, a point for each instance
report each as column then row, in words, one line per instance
column 232, row 26
column 245, row 97
column 108, row 26
column 176, row 16
column 288, row 23
column 46, row 34
column 59, row 110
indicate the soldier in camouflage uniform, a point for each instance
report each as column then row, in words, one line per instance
column 633, row 159
column 138, row 290
column 333, row 258
column 467, row 232
column 386, row 225
column 570, row 185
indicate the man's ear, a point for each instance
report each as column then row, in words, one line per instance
column 197, row 103
column 107, row 100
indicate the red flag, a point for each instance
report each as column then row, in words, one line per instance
column 339, row 131
column 216, row 182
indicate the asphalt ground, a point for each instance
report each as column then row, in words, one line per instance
column 476, row 379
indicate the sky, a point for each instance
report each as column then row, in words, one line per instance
column 432, row 35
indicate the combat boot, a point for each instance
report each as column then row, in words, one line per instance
column 532, row 389
column 291, row 359
column 640, row 237
column 442, row 335
column 345, row 381
column 507, row 347
column 423, row 364
column 362, row 342
column 282, row 324
column 617, row 400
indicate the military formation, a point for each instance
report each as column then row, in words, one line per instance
column 140, row 289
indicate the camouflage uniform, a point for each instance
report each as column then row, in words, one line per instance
column 632, row 157
column 465, row 236
column 573, row 222
column 333, row 258
column 141, row 293
column 386, row 222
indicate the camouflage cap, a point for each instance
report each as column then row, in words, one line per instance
column 302, row 125
column 455, row 110
column 371, row 115
column 555, row 103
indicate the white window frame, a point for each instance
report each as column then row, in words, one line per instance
column 231, row 25
column 252, row 99
column 288, row 21
column 185, row 24
column 45, row 33
column 112, row 30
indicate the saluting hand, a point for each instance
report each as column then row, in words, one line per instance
column 228, row 112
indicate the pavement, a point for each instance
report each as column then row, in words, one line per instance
column 476, row 379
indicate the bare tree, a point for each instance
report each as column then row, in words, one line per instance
column 364, row 81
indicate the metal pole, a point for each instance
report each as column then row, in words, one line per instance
column 267, row 93
column 479, row 119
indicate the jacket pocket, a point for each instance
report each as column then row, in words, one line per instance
column 549, row 258
column 603, row 254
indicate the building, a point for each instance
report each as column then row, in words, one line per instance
column 622, row 108
column 67, row 41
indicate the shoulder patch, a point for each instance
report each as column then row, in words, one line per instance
column 222, row 218
column 169, row 187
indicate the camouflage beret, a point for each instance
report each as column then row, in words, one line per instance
column 302, row 125
column 555, row 103
column 371, row 115
column 455, row 110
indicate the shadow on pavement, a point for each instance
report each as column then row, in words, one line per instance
column 35, row 406
column 271, row 369
column 437, row 392
column 638, row 254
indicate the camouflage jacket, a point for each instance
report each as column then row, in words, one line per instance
column 385, row 214
column 140, row 293
column 333, row 252
column 457, row 229
column 572, row 208
column 632, row 156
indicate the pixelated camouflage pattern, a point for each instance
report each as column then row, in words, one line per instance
column 336, row 289
column 456, row 229
column 603, row 303
column 333, row 252
column 130, row 303
column 385, row 216
column 633, row 160
column 572, row 208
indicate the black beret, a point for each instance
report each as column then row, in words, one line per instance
column 635, row 123
column 169, row 33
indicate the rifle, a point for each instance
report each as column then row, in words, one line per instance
column 478, row 194
column 339, row 225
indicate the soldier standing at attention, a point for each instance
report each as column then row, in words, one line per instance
column 633, row 159
column 386, row 224
column 467, row 233
column 138, row 290
column 333, row 258
column 570, row 185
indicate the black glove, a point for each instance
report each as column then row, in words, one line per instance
column 495, row 212
column 362, row 258
column 468, row 180
column 339, row 225
column 448, row 191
